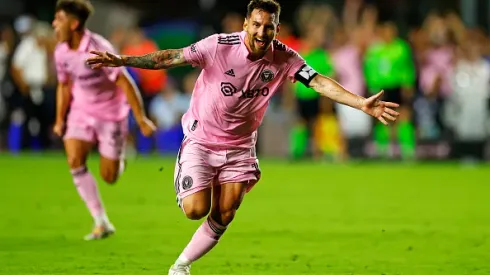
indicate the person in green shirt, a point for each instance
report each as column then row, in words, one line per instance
column 388, row 66
column 307, row 100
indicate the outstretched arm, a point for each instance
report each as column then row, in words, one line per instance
column 333, row 90
column 157, row 60
column 328, row 87
column 201, row 53
column 163, row 59
column 372, row 106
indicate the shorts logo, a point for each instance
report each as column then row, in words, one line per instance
column 228, row 89
column 187, row 182
column 267, row 75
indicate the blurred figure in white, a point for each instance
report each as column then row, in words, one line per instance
column 467, row 107
column 29, row 66
column 30, row 74
column 167, row 108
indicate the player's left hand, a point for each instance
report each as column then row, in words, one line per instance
column 147, row 127
column 381, row 110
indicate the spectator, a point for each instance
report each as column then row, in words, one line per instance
column 467, row 108
column 286, row 36
column 30, row 74
column 232, row 22
column 168, row 106
column 328, row 134
column 388, row 66
column 151, row 82
column 307, row 100
column 435, row 74
column 7, row 42
column 347, row 58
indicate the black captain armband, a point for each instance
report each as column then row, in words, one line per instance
column 305, row 74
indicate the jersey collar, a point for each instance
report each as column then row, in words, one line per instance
column 85, row 41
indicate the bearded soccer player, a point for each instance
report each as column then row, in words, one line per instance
column 98, row 111
column 217, row 164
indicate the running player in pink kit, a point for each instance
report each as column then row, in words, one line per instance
column 217, row 164
column 98, row 109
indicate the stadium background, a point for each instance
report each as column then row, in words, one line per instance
column 353, row 199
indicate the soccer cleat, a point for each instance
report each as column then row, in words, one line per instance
column 100, row 232
column 180, row 270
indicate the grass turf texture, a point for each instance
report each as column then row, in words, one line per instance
column 306, row 218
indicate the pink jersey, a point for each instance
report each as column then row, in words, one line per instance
column 232, row 92
column 94, row 91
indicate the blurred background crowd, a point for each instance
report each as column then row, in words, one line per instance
column 432, row 57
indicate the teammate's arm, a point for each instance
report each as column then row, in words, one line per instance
column 164, row 59
column 63, row 98
column 134, row 98
column 332, row 89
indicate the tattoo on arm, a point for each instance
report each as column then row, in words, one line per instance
column 157, row 60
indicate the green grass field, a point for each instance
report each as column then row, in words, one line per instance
column 309, row 218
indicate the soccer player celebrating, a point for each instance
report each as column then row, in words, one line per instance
column 98, row 108
column 241, row 71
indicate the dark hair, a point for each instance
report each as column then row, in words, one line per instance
column 81, row 9
column 270, row 6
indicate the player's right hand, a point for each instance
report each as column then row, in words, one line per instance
column 104, row 59
column 59, row 128
column 147, row 127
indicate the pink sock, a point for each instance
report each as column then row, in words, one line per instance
column 205, row 238
column 87, row 188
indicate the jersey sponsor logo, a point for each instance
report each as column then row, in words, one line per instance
column 253, row 93
column 228, row 89
column 229, row 40
column 267, row 75
column 230, row 73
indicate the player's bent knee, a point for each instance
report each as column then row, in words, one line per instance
column 197, row 205
column 225, row 217
column 75, row 162
column 196, row 211
column 109, row 176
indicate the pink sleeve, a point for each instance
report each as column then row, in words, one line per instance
column 61, row 73
column 296, row 63
column 203, row 52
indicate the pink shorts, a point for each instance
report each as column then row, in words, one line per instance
column 111, row 135
column 199, row 167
